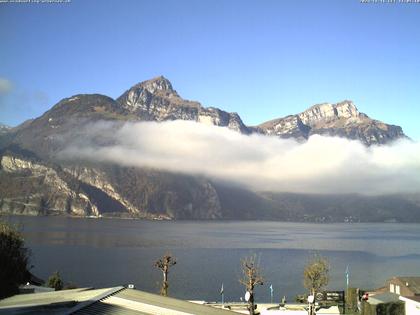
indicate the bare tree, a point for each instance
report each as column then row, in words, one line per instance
column 251, row 276
column 164, row 264
column 316, row 276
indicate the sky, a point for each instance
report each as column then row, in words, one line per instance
column 263, row 59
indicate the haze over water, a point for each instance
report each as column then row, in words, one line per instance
column 111, row 252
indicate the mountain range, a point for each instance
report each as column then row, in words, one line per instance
column 34, row 181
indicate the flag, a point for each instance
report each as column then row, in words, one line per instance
column 221, row 289
column 271, row 289
column 347, row 276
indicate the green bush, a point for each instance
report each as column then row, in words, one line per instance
column 54, row 281
column 391, row 308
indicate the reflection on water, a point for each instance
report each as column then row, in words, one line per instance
column 110, row 252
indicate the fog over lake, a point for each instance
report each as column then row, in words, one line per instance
column 111, row 252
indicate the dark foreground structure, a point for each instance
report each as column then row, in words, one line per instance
column 117, row 300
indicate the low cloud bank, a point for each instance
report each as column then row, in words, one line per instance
column 320, row 165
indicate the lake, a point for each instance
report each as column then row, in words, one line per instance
column 111, row 252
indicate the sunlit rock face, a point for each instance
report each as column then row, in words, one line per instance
column 156, row 100
column 342, row 119
column 33, row 188
column 329, row 112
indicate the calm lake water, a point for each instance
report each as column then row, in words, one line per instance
column 111, row 252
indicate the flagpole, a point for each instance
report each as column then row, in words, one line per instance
column 347, row 277
column 271, row 293
column 222, row 293
column 347, row 286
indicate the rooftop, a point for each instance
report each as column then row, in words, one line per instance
column 413, row 283
column 383, row 298
column 415, row 298
column 117, row 300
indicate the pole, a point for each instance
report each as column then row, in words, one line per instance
column 271, row 294
column 347, row 277
column 222, row 293
column 347, row 288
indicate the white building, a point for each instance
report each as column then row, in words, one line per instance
column 412, row 304
column 299, row 310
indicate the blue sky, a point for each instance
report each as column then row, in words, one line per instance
column 263, row 59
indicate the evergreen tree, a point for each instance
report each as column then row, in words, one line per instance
column 14, row 260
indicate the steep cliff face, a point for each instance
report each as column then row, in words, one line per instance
column 28, row 187
column 98, row 179
column 330, row 112
column 32, row 187
column 179, row 196
column 156, row 100
column 151, row 193
column 35, row 188
column 341, row 119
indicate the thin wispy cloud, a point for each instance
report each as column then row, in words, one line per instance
column 319, row 165
column 6, row 86
column 19, row 103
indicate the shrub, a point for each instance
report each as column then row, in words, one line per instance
column 54, row 281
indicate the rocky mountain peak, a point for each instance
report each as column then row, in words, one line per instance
column 341, row 119
column 156, row 100
column 327, row 112
column 140, row 96
column 347, row 109
column 159, row 83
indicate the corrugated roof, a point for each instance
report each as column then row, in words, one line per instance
column 383, row 298
column 131, row 301
column 105, row 309
column 117, row 300
column 51, row 302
